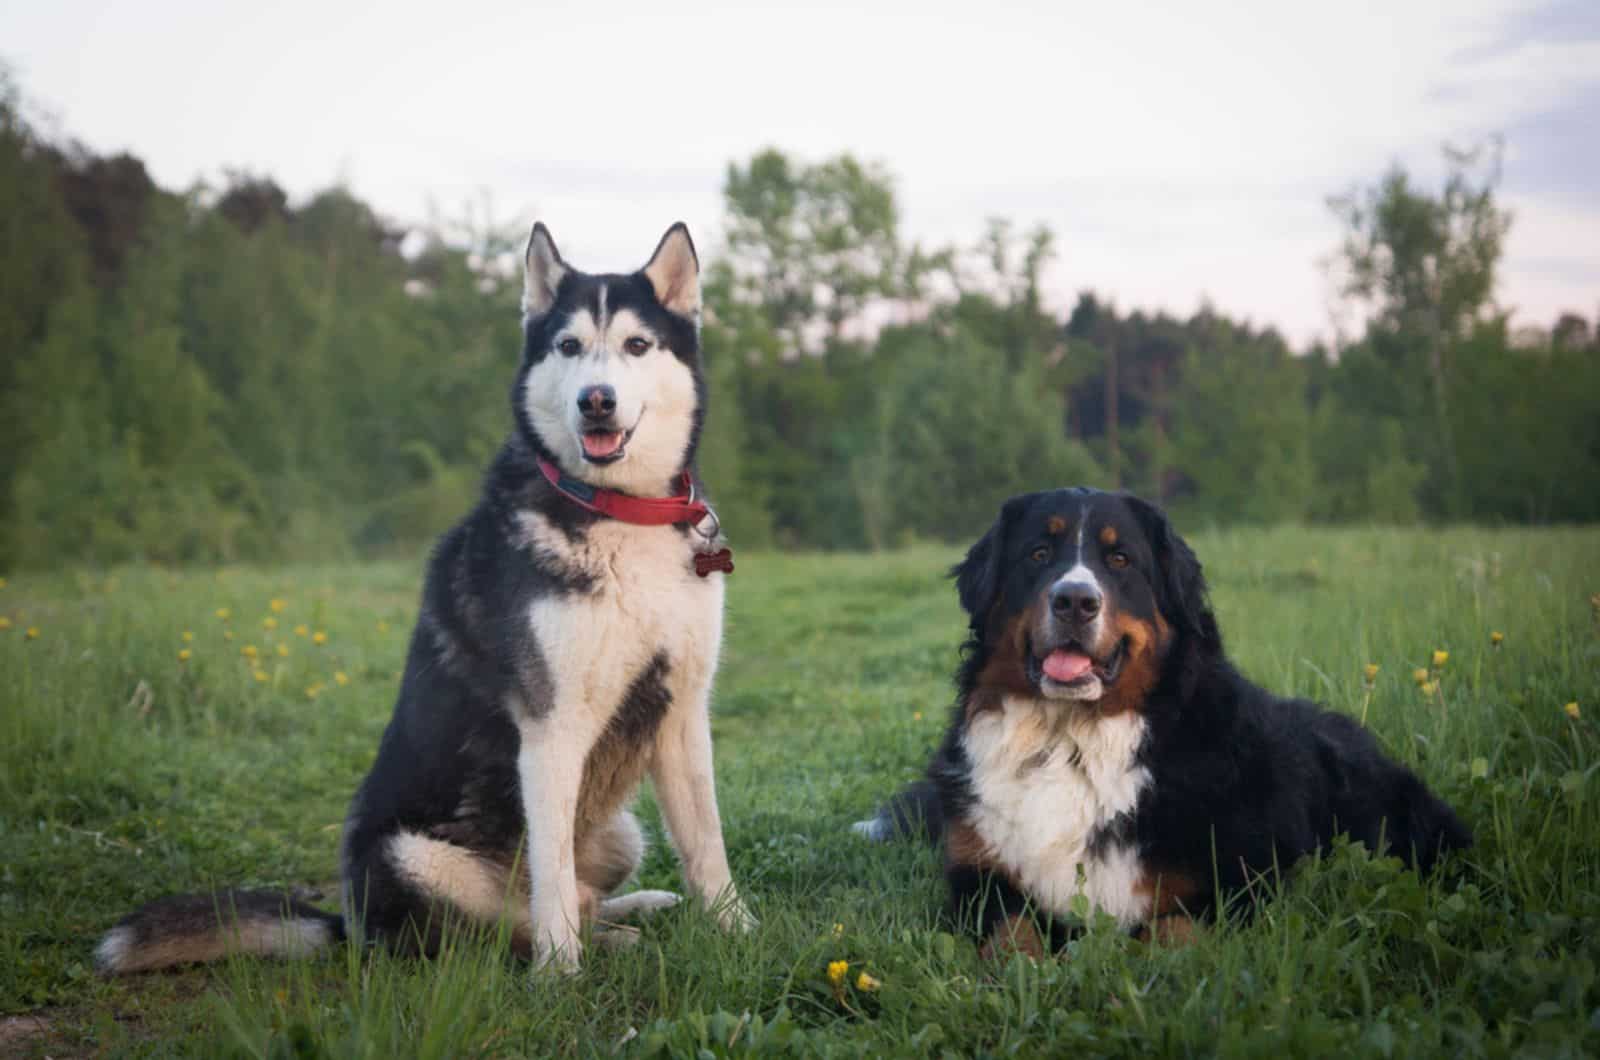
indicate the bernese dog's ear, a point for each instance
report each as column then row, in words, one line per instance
column 1180, row 583
column 978, row 576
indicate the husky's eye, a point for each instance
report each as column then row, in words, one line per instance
column 1040, row 554
column 570, row 347
column 636, row 345
column 1117, row 560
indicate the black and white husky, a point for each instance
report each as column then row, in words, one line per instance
column 566, row 644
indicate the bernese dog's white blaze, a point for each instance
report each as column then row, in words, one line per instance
column 1046, row 781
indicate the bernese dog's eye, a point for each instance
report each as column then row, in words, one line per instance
column 1117, row 559
column 570, row 346
column 1040, row 554
column 636, row 345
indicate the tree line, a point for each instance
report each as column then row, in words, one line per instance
column 219, row 374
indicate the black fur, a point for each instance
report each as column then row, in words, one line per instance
column 1243, row 782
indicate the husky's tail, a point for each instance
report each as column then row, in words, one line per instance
column 195, row 928
column 916, row 811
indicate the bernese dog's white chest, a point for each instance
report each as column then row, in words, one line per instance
column 1051, row 781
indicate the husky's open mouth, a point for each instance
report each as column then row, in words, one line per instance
column 606, row 445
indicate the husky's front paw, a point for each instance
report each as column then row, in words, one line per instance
column 557, row 956
column 733, row 915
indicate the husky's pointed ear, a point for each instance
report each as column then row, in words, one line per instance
column 543, row 270
column 674, row 272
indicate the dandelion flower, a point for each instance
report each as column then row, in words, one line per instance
column 1428, row 688
column 260, row 675
column 917, row 716
column 249, row 651
column 283, row 651
column 866, row 983
column 269, row 623
column 1496, row 638
column 1572, row 710
column 224, row 614
column 1440, row 658
column 1420, row 676
column 319, row 638
column 302, row 631
column 33, row 633
column 277, row 605
column 184, row 654
column 838, row 931
column 341, row 678
column 188, row 637
column 837, row 970
column 314, row 690
column 1371, row 671
column 5, row 623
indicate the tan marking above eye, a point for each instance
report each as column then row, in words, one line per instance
column 1057, row 524
column 1108, row 536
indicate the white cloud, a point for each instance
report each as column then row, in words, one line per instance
column 1177, row 148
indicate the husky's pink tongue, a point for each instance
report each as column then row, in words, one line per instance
column 1062, row 665
column 602, row 443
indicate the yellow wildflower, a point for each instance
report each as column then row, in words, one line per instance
column 866, row 983
column 319, row 637
column 1371, row 671
column 249, row 651
column 269, row 623
column 227, row 634
column 838, row 931
column 283, row 651
column 1428, row 688
column 341, row 678
column 1496, row 637
column 1420, row 676
column 1440, row 658
column 277, row 605
column 260, row 675
column 184, row 654
column 302, row 631
column 188, row 637
column 916, row 716
column 33, row 632
column 1572, row 710
column 383, row 627
column 5, row 623
column 314, row 690
column 224, row 614
column 837, row 970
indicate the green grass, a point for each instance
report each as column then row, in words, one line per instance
column 125, row 774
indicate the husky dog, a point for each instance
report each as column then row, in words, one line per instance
column 565, row 647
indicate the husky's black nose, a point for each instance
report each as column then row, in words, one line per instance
column 597, row 402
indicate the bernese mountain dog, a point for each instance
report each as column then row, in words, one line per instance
column 1103, row 751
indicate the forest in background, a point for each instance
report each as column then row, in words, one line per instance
column 219, row 374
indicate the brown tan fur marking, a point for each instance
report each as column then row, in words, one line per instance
column 1057, row 524
column 1147, row 643
column 1016, row 934
column 1108, row 536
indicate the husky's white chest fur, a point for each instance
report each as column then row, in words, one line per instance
column 1046, row 779
column 645, row 601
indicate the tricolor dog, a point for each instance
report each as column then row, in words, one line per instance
column 565, row 648
column 1103, row 750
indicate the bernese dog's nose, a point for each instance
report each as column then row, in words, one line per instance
column 597, row 402
column 1075, row 600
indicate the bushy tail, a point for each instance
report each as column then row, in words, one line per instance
column 916, row 811
column 194, row 928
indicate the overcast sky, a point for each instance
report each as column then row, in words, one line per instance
column 1179, row 150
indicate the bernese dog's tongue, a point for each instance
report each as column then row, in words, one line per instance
column 1063, row 665
column 602, row 443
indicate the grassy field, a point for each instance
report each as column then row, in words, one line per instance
column 127, row 772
